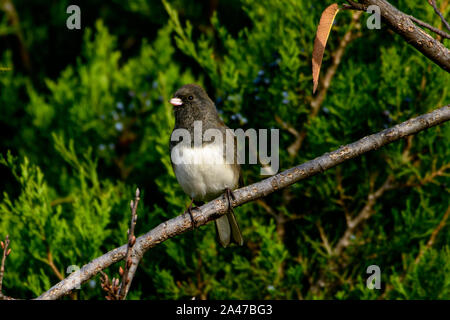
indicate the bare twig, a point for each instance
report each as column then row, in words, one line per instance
column 323, row 236
column 342, row 196
column 429, row 244
column 433, row 235
column 430, row 27
column 442, row 171
column 128, row 272
column 280, row 217
column 52, row 265
column 219, row 206
column 267, row 208
column 355, row 6
column 353, row 223
column 115, row 290
column 363, row 215
column 110, row 287
column 439, row 13
column 8, row 7
column 367, row 210
column 6, row 253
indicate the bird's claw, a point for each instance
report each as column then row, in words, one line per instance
column 229, row 195
column 189, row 210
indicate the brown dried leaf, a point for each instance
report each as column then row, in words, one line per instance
column 323, row 31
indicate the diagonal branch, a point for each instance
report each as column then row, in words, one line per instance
column 433, row 236
column 430, row 27
column 218, row 207
column 356, row 6
column 433, row 4
column 401, row 24
column 364, row 215
column 429, row 244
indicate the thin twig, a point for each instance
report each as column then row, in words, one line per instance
column 53, row 266
column 268, row 208
column 219, row 206
column 429, row 244
column 8, row 7
column 442, row 171
column 5, row 254
column 115, row 290
column 433, row 236
column 363, row 215
column 342, row 196
column 355, row 6
column 367, row 210
column 127, row 272
column 430, row 27
column 439, row 13
column 323, row 236
column 110, row 287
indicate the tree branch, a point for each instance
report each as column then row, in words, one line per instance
column 364, row 215
column 215, row 208
column 433, row 236
column 433, row 4
column 419, row 39
column 356, row 223
column 357, row 6
column 429, row 27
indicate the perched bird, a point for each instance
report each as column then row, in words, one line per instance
column 204, row 173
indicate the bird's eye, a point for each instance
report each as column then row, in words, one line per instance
column 190, row 97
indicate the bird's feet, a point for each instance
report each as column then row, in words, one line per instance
column 189, row 210
column 229, row 195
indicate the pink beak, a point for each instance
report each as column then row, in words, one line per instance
column 176, row 102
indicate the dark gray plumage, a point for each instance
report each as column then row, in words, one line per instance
column 210, row 176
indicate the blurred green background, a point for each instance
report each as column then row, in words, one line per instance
column 85, row 119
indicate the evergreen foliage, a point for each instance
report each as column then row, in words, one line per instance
column 79, row 137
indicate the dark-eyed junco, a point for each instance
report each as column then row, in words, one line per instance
column 201, row 166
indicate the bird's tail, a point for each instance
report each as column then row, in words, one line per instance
column 228, row 230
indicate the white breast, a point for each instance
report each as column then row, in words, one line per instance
column 202, row 172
